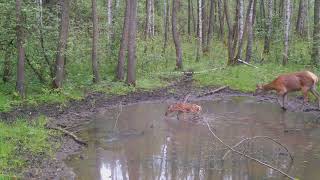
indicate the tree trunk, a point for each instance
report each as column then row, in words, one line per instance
column 149, row 26
column 61, row 50
column 110, row 24
column 204, row 25
column 241, row 27
column 286, row 31
column 250, row 31
column 131, row 75
column 316, row 34
column 267, row 37
column 21, row 53
column 124, row 42
column 95, row 39
column 175, row 34
column 241, row 41
column 221, row 19
column 193, row 19
column 189, row 17
column 302, row 18
column 199, row 47
column 166, row 24
column 211, row 23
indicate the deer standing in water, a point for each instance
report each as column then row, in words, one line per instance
column 304, row 81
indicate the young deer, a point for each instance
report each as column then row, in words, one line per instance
column 184, row 108
column 305, row 81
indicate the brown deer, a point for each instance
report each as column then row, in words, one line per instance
column 304, row 81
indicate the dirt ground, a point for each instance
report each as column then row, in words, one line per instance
column 78, row 112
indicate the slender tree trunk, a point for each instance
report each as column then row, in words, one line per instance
column 175, row 34
column 148, row 19
column 131, row 75
column 316, row 34
column 152, row 20
column 166, row 24
column 221, row 19
column 281, row 7
column 63, row 37
column 211, row 24
column 124, row 42
column 95, row 39
column 21, row 53
column 189, row 17
column 267, row 37
column 250, row 31
column 204, row 25
column 241, row 27
column 193, row 19
column 302, row 18
column 241, row 41
column 109, row 23
column 199, row 47
column 149, row 26
column 287, row 19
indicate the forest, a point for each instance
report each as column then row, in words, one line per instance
column 57, row 54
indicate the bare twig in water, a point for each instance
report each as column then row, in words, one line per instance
column 247, row 156
column 119, row 113
column 74, row 137
column 257, row 137
column 214, row 91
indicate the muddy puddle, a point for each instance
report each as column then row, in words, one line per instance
column 137, row 142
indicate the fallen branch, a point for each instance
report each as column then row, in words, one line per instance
column 247, row 156
column 214, row 91
column 74, row 137
column 257, row 137
column 186, row 72
column 243, row 62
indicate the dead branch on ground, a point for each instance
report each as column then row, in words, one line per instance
column 247, row 156
column 214, row 91
column 243, row 62
column 74, row 137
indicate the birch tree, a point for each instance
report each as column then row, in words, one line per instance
column 316, row 34
column 199, row 46
column 287, row 18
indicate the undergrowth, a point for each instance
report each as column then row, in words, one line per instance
column 22, row 139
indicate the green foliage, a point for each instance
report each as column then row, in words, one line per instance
column 20, row 140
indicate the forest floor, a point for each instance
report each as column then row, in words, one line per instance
column 79, row 111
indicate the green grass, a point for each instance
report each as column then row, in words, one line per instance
column 19, row 140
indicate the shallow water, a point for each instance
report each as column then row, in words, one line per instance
column 138, row 142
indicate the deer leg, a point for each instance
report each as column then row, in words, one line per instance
column 316, row 94
column 281, row 99
column 305, row 96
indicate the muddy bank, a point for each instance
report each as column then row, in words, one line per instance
column 79, row 112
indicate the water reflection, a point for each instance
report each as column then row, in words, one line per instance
column 168, row 149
